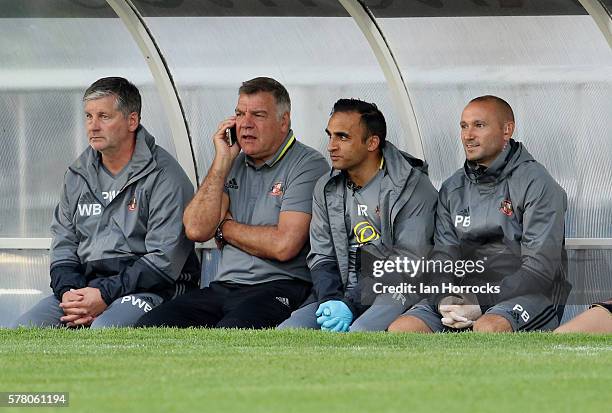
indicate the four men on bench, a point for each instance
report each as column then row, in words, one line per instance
column 502, row 208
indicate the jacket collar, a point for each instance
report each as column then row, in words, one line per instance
column 142, row 162
column 483, row 174
column 397, row 165
column 396, row 188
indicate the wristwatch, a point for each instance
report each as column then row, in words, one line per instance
column 219, row 232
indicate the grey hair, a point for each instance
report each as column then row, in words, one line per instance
column 127, row 96
column 267, row 84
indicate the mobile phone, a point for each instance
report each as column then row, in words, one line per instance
column 230, row 135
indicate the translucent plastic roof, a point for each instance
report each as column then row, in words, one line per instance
column 294, row 8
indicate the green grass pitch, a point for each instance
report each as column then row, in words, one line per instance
column 168, row 370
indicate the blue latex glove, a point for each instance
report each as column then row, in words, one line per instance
column 335, row 324
column 334, row 315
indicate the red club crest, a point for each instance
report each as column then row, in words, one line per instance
column 506, row 208
column 132, row 205
column 276, row 190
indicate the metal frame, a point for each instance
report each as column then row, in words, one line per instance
column 134, row 22
column 25, row 243
column 588, row 243
column 602, row 17
column 399, row 91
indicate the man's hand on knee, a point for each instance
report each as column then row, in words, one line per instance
column 71, row 295
column 459, row 315
column 334, row 315
column 85, row 310
column 335, row 324
column 77, row 320
column 459, row 312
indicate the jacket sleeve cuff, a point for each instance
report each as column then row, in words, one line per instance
column 327, row 284
column 351, row 305
column 60, row 293
column 107, row 287
column 64, row 277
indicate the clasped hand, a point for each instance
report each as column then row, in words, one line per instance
column 458, row 313
column 82, row 306
column 334, row 315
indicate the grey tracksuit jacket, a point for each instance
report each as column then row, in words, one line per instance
column 511, row 216
column 136, row 243
column 407, row 210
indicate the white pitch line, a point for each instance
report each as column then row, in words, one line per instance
column 19, row 291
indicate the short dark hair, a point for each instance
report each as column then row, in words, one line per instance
column 505, row 109
column 371, row 117
column 267, row 84
column 126, row 94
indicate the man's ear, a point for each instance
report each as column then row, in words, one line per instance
column 508, row 130
column 286, row 121
column 373, row 143
column 133, row 121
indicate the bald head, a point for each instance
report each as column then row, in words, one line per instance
column 502, row 108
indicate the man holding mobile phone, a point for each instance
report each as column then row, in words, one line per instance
column 256, row 202
column 230, row 135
